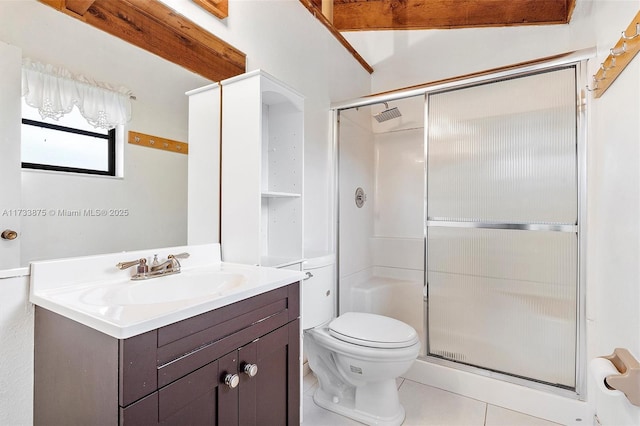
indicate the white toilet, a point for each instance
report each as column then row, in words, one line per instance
column 356, row 356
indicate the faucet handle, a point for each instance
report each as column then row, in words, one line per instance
column 179, row 256
column 174, row 260
column 126, row 265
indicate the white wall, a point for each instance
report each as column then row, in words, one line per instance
column 613, row 294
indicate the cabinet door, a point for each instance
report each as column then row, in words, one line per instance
column 272, row 396
column 228, row 395
column 192, row 400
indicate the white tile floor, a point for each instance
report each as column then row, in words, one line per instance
column 425, row 406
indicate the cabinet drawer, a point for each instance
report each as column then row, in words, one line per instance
column 170, row 368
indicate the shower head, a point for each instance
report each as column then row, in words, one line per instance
column 387, row 114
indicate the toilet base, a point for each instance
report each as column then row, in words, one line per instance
column 347, row 408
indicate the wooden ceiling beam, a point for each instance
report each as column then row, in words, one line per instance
column 78, row 6
column 158, row 29
column 219, row 8
column 362, row 15
column 316, row 10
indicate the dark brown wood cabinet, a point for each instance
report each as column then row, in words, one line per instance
column 174, row 375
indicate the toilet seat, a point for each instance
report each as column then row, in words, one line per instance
column 371, row 330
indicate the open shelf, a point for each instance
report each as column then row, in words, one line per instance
column 262, row 174
column 272, row 194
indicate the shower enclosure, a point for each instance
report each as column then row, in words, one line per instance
column 469, row 221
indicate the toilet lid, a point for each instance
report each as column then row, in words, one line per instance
column 372, row 330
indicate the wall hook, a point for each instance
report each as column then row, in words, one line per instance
column 612, row 64
column 625, row 37
column 622, row 50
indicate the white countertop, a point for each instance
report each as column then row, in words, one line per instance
column 92, row 291
column 16, row 272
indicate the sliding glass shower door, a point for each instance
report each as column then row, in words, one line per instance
column 502, row 226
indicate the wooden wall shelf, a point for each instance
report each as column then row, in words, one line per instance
column 158, row 142
column 619, row 57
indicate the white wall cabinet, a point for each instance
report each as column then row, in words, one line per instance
column 203, row 216
column 262, row 171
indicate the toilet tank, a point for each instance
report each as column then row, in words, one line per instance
column 318, row 290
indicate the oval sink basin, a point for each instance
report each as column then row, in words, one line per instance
column 166, row 289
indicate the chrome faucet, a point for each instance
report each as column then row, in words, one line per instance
column 143, row 271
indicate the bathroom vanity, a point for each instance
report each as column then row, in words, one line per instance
column 233, row 359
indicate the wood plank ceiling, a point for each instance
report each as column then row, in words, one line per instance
column 367, row 15
column 158, row 29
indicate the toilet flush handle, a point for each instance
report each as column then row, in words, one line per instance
column 308, row 275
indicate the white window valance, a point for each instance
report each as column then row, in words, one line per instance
column 55, row 90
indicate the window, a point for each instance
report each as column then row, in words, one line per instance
column 61, row 112
column 68, row 144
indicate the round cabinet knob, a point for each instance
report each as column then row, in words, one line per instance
column 231, row 380
column 250, row 370
column 8, row 234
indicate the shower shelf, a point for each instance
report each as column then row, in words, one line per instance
column 274, row 194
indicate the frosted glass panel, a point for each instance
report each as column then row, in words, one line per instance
column 504, row 300
column 505, row 151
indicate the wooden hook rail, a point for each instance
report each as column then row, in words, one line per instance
column 157, row 142
column 619, row 57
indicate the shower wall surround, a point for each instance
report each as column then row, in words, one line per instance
column 382, row 243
